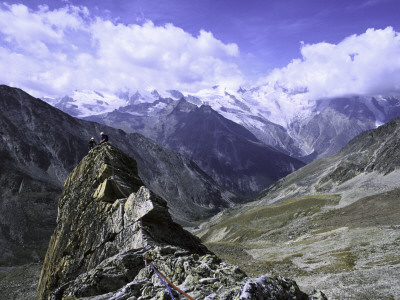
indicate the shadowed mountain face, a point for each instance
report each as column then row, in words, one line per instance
column 226, row 151
column 333, row 222
column 38, row 148
column 40, row 145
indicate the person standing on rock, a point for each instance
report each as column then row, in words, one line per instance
column 103, row 138
column 92, row 143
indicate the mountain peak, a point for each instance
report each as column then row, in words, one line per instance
column 175, row 94
column 155, row 94
column 241, row 90
column 206, row 108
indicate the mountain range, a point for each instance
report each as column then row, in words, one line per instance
column 284, row 119
column 333, row 224
column 226, row 151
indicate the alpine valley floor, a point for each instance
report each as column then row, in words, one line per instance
column 347, row 252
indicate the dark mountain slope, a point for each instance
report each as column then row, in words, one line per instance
column 225, row 150
column 35, row 159
column 368, row 157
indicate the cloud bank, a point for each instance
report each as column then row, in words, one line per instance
column 53, row 52
column 365, row 64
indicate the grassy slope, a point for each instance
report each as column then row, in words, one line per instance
column 348, row 252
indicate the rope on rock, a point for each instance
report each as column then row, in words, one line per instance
column 161, row 278
column 170, row 283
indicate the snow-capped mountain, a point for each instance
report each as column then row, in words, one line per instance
column 303, row 128
column 86, row 103
column 285, row 119
column 266, row 112
column 241, row 105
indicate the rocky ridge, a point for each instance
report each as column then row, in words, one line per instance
column 102, row 236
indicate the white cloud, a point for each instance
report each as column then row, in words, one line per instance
column 368, row 63
column 56, row 51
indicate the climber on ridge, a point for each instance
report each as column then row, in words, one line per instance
column 92, row 143
column 103, row 138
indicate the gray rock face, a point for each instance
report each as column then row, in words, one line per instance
column 375, row 150
column 108, row 247
column 367, row 165
column 125, row 276
column 39, row 147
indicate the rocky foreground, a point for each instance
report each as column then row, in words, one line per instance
column 108, row 245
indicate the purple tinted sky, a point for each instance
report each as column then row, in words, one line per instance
column 268, row 32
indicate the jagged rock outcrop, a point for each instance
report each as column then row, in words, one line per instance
column 96, row 221
column 103, row 238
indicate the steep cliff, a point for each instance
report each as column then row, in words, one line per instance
column 108, row 245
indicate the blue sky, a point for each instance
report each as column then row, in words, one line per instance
column 236, row 41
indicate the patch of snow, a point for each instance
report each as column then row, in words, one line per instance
column 157, row 107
